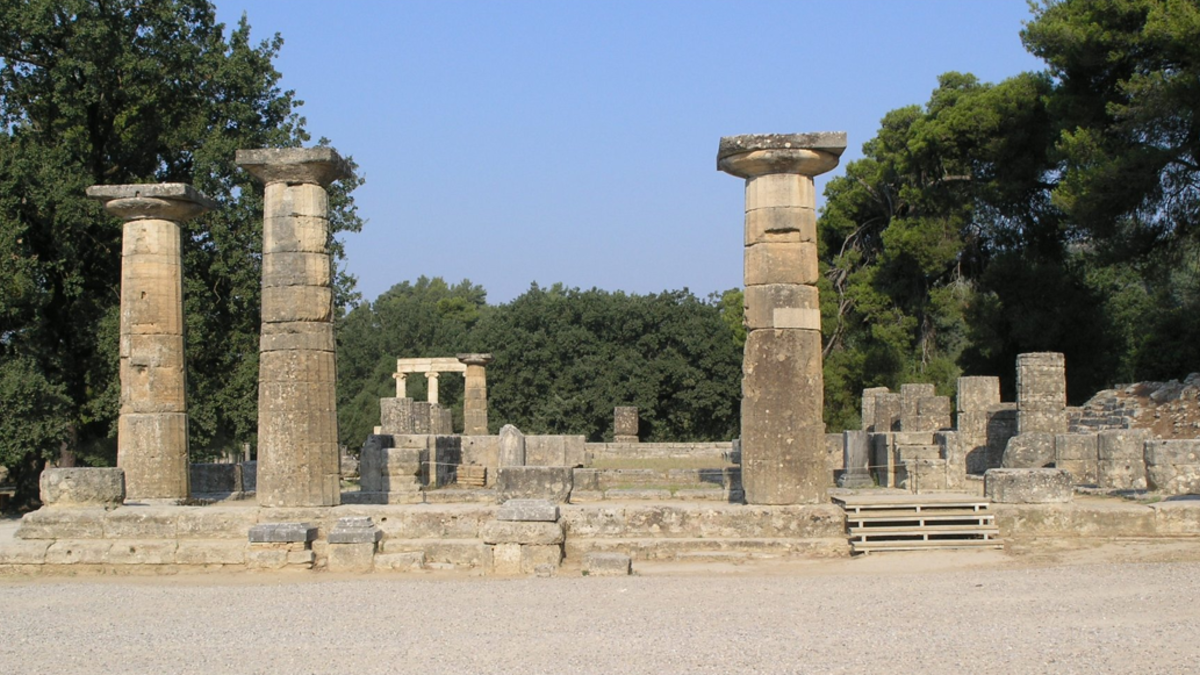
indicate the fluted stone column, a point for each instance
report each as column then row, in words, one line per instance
column 152, row 431
column 297, row 376
column 475, row 411
column 783, row 451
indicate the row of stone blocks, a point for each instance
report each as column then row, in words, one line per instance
column 1118, row 459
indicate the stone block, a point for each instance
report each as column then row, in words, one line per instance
column 304, row 335
column 781, row 263
column 1001, row 426
column 482, row 451
column 85, row 487
column 141, row 552
column 57, row 523
column 775, row 190
column 350, row 557
column 355, row 530
column 977, row 393
column 1121, row 444
column 1032, row 450
column 625, row 421
column 210, row 552
column 528, row 510
column 250, row 476
column 21, row 552
column 406, row 561
column 855, row 460
column 536, row 558
column 868, row 407
column 528, row 533
column 1028, row 486
column 775, row 224
column 512, row 446
column 264, row 533
column 141, row 522
column 506, row 559
column 782, row 306
column 266, row 558
column 888, row 409
column 1045, row 420
column 925, row 475
column 534, row 482
column 1173, row 466
column 912, row 438
column 598, row 564
column 1041, row 381
column 78, row 552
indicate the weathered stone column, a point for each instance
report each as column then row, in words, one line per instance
column 401, row 384
column 783, row 452
column 475, row 412
column 152, row 431
column 431, row 380
column 297, row 376
column 1042, row 393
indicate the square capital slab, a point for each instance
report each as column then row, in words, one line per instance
column 753, row 155
column 169, row 201
column 320, row 166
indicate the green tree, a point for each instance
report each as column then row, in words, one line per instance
column 123, row 91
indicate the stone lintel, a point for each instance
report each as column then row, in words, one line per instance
column 166, row 201
column 753, row 155
column 268, row 533
column 475, row 359
column 320, row 166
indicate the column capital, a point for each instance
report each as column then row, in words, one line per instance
column 176, row 202
column 475, row 359
column 318, row 166
column 753, row 155
column 432, row 375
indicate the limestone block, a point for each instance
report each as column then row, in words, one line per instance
column 1173, row 466
column 906, row 453
column 50, row 522
column 782, row 306
column 1002, row 425
column 506, row 559
column 21, row 552
column 1028, row 486
column 555, row 450
column 1041, row 380
column 868, row 406
column 1052, row 421
column 1077, row 453
column 297, row 335
column 210, row 522
column 1177, row 517
column 1121, row 444
column 783, row 435
column 141, row 552
column 78, row 552
column 977, row 393
column 297, row 303
column 250, row 476
column 855, row 460
column 295, row 234
column 534, row 482
column 407, row 561
column 539, row 559
column 482, row 451
column 1032, row 450
column 910, row 397
column 512, row 446
column 781, row 263
column 269, row 533
column 141, row 522
column 296, row 269
column 355, row 530
column 774, row 224
column 528, row 510
column 532, row 533
column 888, row 408
column 972, row 431
column 625, row 421
column 351, row 557
column 780, row 190
column 913, row 438
column 599, row 564
column 82, row 487
column 210, row 552
column 266, row 558
column 295, row 167
column 925, row 475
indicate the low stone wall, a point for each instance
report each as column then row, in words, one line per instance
column 718, row 452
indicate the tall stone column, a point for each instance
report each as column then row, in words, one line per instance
column 297, row 374
column 475, row 411
column 783, row 447
column 152, row 431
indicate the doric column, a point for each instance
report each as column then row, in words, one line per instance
column 431, row 386
column 152, row 434
column 475, row 412
column 783, row 455
column 297, row 374
column 401, row 384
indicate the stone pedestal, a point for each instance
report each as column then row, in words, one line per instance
column 625, row 424
column 152, row 437
column 475, row 411
column 783, row 458
column 297, row 409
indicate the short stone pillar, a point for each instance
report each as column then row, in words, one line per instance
column 856, row 460
column 297, row 376
column 625, row 424
column 431, row 388
column 783, row 435
column 352, row 544
column 475, row 411
column 512, row 446
column 401, row 384
column 868, row 408
column 152, row 436
column 1042, row 393
column 976, row 396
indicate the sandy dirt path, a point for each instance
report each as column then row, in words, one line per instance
column 1116, row 609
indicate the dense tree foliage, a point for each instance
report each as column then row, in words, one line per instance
column 115, row 92
column 564, row 358
column 1052, row 211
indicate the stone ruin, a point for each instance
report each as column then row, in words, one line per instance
column 511, row 503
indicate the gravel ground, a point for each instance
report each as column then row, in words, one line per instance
column 893, row 613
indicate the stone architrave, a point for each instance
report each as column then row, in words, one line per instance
column 297, row 377
column 152, row 431
column 475, row 410
column 783, row 456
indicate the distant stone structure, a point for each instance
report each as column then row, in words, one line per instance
column 783, row 457
column 475, row 406
column 152, row 431
column 297, row 377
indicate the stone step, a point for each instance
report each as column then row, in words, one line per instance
column 698, row 549
column 925, row 545
column 918, row 522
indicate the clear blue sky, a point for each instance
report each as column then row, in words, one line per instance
column 568, row 141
